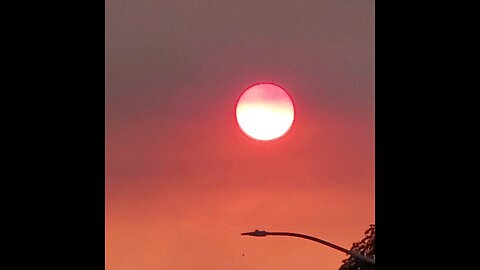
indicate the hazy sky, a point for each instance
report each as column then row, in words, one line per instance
column 183, row 181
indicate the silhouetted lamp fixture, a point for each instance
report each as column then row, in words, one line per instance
column 354, row 254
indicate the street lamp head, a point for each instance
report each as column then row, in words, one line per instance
column 256, row 233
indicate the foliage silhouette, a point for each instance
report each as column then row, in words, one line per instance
column 366, row 247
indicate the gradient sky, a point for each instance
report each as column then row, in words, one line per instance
column 183, row 181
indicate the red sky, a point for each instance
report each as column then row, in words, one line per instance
column 183, row 181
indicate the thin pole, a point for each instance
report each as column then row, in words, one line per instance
column 352, row 253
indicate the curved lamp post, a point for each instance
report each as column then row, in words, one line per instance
column 354, row 254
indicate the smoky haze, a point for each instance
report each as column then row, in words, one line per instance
column 182, row 180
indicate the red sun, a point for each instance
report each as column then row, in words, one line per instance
column 265, row 112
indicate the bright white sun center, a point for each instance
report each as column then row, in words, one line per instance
column 265, row 112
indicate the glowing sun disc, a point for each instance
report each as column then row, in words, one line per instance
column 265, row 112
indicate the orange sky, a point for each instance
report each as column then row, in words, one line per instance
column 183, row 181
column 180, row 193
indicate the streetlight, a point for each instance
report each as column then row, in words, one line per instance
column 354, row 254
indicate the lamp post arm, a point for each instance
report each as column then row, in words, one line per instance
column 312, row 239
column 308, row 237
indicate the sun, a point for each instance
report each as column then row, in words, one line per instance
column 265, row 112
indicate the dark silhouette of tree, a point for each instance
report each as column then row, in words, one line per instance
column 366, row 247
